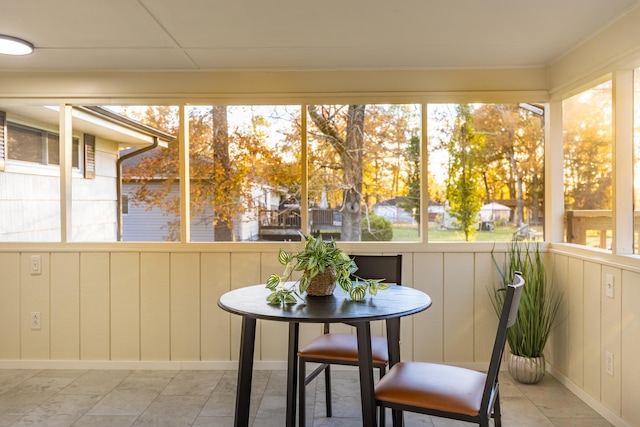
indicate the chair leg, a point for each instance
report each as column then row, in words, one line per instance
column 327, row 389
column 497, row 421
column 302, row 395
column 398, row 420
column 382, row 409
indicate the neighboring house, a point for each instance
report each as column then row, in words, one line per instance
column 494, row 212
column 390, row 211
column 144, row 222
column 30, row 172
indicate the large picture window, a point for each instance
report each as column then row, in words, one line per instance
column 352, row 172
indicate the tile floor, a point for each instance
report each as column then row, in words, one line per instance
column 57, row 398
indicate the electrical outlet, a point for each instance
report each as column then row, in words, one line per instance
column 608, row 361
column 35, row 320
column 608, row 285
column 36, row 264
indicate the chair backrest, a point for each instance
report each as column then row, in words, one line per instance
column 387, row 267
column 507, row 319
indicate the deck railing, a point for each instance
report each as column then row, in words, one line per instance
column 578, row 223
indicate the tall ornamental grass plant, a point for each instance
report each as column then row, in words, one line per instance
column 539, row 304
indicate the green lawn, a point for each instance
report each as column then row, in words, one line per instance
column 404, row 233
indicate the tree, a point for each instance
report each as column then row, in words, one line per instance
column 344, row 132
column 500, row 124
column 226, row 168
column 411, row 203
column 587, row 125
column 464, row 190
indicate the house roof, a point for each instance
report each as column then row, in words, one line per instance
column 93, row 120
column 212, row 35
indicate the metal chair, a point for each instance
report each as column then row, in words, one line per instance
column 342, row 349
column 449, row 391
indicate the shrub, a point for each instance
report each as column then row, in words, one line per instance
column 376, row 228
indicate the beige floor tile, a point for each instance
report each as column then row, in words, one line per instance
column 190, row 383
column 7, row 420
column 172, row 411
column 22, row 403
column 105, row 421
column 94, row 383
column 116, row 398
column 124, row 402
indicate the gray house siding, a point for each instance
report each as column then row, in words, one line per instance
column 145, row 223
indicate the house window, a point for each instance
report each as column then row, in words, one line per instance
column 588, row 167
column 32, row 145
column 125, row 204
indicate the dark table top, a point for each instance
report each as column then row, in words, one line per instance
column 397, row 301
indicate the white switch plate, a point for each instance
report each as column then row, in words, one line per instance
column 608, row 285
column 36, row 264
column 608, row 362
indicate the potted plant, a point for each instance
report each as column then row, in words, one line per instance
column 323, row 265
column 537, row 313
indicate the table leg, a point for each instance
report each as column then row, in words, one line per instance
column 393, row 340
column 245, row 371
column 292, row 373
column 365, row 362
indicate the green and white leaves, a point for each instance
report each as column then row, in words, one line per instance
column 317, row 257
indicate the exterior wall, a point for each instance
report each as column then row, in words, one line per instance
column 142, row 225
column 29, row 207
column 30, row 200
column 94, row 200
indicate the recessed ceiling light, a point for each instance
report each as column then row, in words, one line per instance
column 14, row 46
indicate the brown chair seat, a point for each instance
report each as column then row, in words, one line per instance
column 434, row 386
column 343, row 347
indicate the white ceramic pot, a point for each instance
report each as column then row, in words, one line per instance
column 527, row 370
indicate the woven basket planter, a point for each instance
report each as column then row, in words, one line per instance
column 323, row 284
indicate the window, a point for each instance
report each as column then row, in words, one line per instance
column 485, row 172
column 37, row 146
column 364, row 170
column 150, row 192
column 125, row 204
column 587, row 129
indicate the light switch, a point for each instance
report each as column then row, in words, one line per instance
column 36, row 264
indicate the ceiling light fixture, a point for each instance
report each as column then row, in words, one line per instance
column 14, row 46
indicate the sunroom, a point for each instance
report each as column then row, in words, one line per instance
column 106, row 300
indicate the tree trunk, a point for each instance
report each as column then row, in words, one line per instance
column 351, row 160
column 222, row 222
column 349, row 146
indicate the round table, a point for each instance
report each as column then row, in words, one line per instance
column 389, row 305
